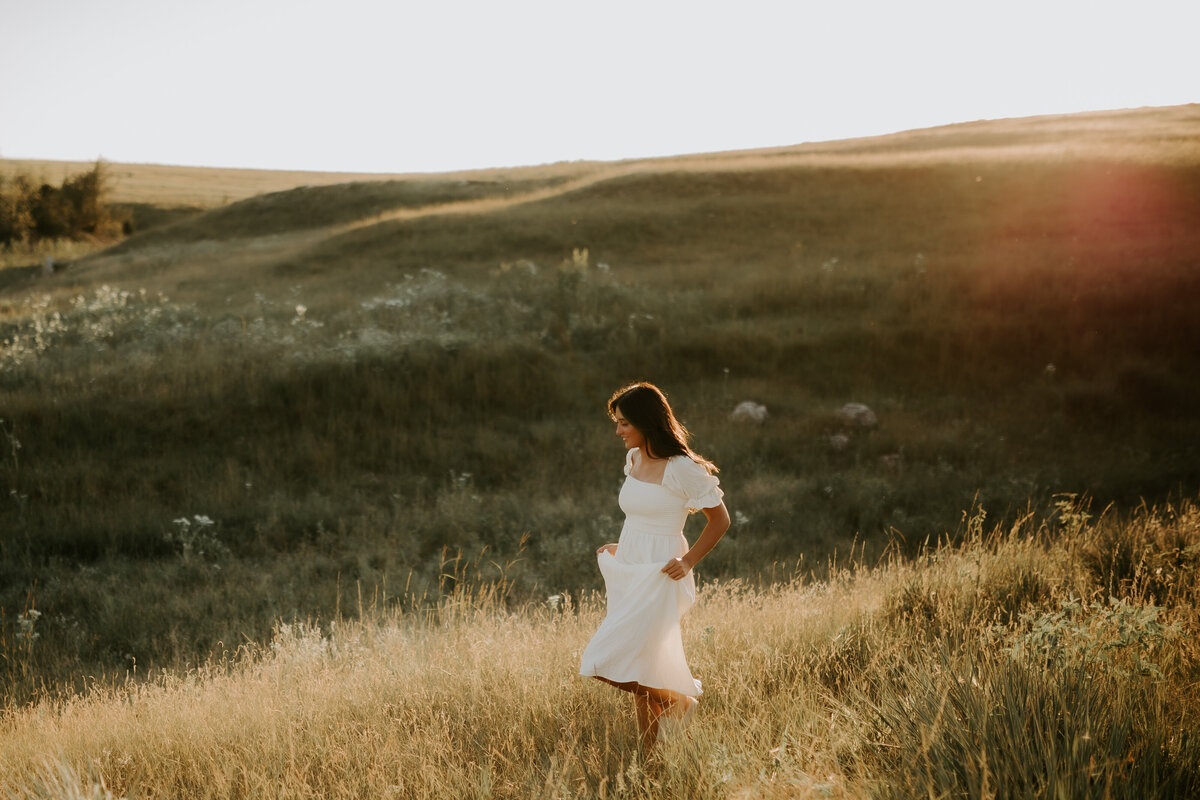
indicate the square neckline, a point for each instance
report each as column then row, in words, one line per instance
column 630, row 474
column 639, row 480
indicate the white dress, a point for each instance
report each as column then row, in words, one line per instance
column 640, row 639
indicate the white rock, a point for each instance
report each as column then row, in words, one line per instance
column 749, row 411
column 857, row 415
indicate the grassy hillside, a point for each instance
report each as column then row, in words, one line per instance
column 1054, row 660
column 168, row 186
column 1146, row 134
column 354, row 382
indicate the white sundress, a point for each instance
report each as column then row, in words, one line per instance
column 640, row 638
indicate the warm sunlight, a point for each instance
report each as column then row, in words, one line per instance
column 780, row 400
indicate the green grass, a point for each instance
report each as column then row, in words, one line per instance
column 1016, row 661
column 307, row 207
column 1022, row 326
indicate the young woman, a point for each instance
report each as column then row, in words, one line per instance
column 648, row 571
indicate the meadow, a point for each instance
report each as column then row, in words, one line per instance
column 333, row 417
column 1049, row 659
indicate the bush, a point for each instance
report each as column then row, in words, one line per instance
column 74, row 210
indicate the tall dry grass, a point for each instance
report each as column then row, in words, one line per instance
column 1013, row 662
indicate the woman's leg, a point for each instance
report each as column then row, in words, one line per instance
column 650, row 704
column 672, row 703
column 648, row 713
column 646, row 709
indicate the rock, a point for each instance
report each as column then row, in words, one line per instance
column 749, row 411
column 857, row 415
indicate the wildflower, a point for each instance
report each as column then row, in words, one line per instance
column 25, row 623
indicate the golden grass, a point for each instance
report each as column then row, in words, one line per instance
column 812, row 690
column 210, row 187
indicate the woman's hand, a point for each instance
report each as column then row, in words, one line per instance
column 611, row 549
column 718, row 523
column 676, row 569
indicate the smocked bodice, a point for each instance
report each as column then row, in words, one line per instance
column 652, row 508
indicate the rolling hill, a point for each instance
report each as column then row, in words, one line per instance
column 353, row 381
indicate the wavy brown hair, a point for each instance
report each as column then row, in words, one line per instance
column 646, row 408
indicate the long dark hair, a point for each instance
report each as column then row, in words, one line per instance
column 646, row 408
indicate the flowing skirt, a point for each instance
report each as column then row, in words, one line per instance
column 640, row 638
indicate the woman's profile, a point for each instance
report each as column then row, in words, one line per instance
column 648, row 571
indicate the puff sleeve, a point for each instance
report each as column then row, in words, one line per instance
column 629, row 461
column 693, row 482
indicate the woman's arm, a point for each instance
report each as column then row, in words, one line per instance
column 718, row 523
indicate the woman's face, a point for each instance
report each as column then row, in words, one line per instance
column 629, row 434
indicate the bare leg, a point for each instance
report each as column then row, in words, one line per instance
column 650, row 704
column 647, row 720
column 646, row 710
column 672, row 703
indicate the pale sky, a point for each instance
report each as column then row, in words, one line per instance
column 436, row 85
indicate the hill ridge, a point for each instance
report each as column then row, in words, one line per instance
column 133, row 183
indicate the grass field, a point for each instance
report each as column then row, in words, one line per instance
column 267, row 412
column 1054, row 660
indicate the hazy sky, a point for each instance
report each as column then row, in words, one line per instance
column 368, row 85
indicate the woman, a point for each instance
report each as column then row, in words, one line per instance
column 648, row 571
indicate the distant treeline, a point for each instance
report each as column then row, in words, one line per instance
column 76, row 209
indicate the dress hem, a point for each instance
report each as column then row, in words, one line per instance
column 698, row 691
